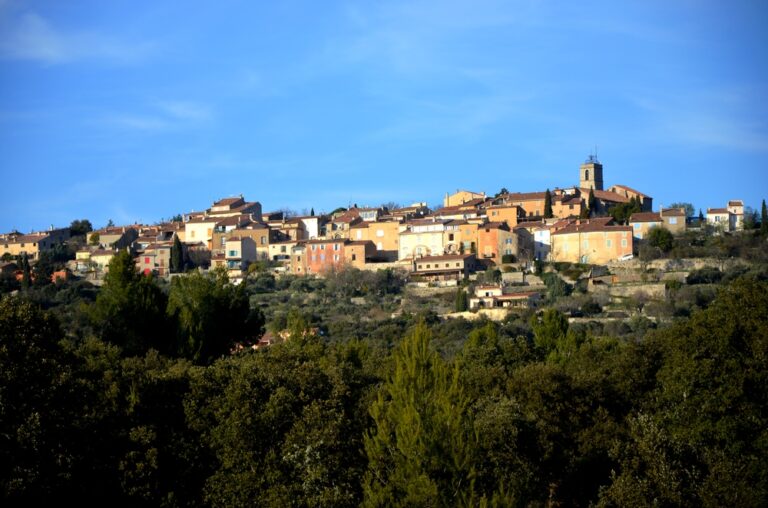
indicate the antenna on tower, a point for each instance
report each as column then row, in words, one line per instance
column 596, row 159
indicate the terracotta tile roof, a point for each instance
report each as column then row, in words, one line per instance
column 329, row 240
column 630, row 189
column 359, row 242
column 717, row 210
column 645, row 217
column 227, row 201
column 736, row 202
column 495, row 225
column 524, row 196
column 672, row 212
column 606, row 196
column 204, row 220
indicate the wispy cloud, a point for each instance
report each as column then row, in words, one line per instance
column 714, row 118
column 29, row 36
column 185, row 110
column 163, row 115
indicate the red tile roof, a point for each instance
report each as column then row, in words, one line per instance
column 524, row 196
column 645, row 217
column 630, row 189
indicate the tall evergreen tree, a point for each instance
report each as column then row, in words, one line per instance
column 26, row 277
column 461, row 300
column 419, row 451
column 764, row 219
column 591, row 201
column 548, row 205
column 312, row 212
column 177, row 255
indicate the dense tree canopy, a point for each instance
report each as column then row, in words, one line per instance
column 138, row 400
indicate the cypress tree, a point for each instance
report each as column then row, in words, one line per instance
column 548, row 205
column 461, row 300
column 764, row 219
column 591, row 201
column 26, row 277
column 312, row 212
column 177, row 255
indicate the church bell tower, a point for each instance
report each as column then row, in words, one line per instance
column 591, row 174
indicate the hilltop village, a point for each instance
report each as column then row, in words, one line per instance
column 587, row 223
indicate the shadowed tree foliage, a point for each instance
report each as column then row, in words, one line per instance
column 419, row 450
column 702, row 437
column 130, row 309
column 30, row 376
column 661, row 238
column 80, row 227
column 211, row 316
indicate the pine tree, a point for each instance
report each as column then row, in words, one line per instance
column 548, row 205
column 764, row 219
column 177, row 255
column 419, row 451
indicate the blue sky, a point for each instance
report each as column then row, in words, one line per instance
column 135, row 111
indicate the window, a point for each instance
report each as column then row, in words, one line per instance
column 22, row 245
column 623, row 242
column 608, row 243
column 322, row 257
column 586, row 244
column 380, row 233
column 586, row 174
column 263, row 240
column 359, row 234
column 232, row 253
column 322, row 247
column 335, row 257
column 335, row 246
column 447, row 265
column 298, row 258
column 673, row 220
column 570, row 207
column 450, row 237
column 354, row 257
column 380, row 246
column 458, row 264
column 282, row 248
column 636, row 226
column 314, row 258
column 428, row 266
column 494, row 213
column 313, row 247
column 421, row 266
column 192, row 233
